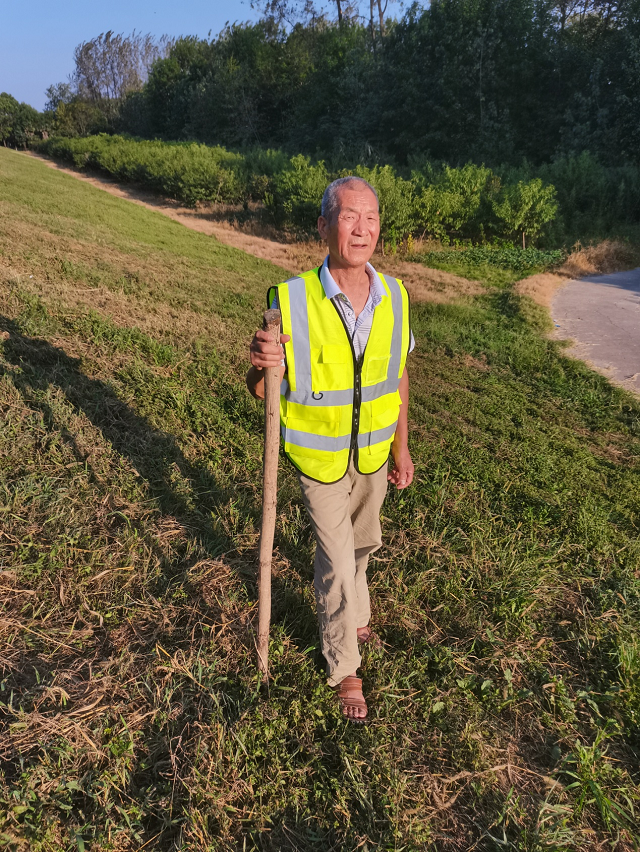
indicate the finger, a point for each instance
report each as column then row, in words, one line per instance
column 406, row 479
column 263, row 335
column 271, row 357
column 402, row 478
column 265, row 363
column 285, row 338
column 264, row 351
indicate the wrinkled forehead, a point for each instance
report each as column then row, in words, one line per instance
column 356, row 197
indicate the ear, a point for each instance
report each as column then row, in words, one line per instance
column 323, row 227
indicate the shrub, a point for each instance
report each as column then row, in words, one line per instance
column 525, row 208
column 188, row 172
column 297, row 194
column 452, row 204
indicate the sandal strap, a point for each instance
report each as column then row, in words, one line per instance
column 350, row 691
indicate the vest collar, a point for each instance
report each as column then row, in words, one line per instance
column 331, row 289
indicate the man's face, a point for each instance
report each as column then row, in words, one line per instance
column 352, row 233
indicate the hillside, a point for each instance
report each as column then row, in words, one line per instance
column 505, row 702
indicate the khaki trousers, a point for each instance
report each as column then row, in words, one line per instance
column 345, row 517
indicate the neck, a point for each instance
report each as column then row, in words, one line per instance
column 348, row 278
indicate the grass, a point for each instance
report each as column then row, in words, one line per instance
column 505, row 704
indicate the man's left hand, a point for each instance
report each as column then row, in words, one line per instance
column 402, row 474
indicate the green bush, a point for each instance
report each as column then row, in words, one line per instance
column 454, row 201
column 188, row 172
column 296, row 194
column 469, row 203
column 525, row 208
column 594, row 200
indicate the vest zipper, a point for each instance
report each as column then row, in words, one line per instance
column 357, row 391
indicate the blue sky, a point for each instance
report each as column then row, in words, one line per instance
column 37, row 38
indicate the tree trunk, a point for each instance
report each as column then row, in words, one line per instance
column 373, row 29
column 269, row 493
column 381, row 12
column 523, row 242
column 339, row 5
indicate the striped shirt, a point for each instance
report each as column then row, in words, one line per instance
column 359, row 327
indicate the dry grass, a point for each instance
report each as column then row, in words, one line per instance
column 541, row 287
column 600, row 259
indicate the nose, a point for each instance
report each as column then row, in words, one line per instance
column 360, row 226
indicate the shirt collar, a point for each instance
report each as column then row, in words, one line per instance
column 331, row 289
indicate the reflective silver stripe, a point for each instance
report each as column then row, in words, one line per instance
column 377, row 437
column 396, row 339
column 376, row 391
column 305, row 397
column 300, row 332
column 315, row 442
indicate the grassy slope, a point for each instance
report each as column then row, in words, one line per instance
column 506, row 702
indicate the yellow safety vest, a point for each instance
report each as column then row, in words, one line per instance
column 332, row 405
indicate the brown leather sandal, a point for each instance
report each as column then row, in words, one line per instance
column 350, row 695
column 369, row 638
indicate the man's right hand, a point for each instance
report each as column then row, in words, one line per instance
column 264, row 353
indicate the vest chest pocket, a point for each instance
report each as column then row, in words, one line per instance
column 331, row 368
column 375, row 369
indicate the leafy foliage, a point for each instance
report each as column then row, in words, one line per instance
column 446, row 203
column 19, row 122
column 489, row 81
column 296, row 192
column 526, row 207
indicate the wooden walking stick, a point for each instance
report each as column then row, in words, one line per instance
column 271, row 324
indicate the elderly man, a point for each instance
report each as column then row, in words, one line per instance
column 343, row 408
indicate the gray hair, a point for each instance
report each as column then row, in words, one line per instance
column 330, row 201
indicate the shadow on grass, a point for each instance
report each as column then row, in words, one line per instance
column 154, row 454
column 35, row 365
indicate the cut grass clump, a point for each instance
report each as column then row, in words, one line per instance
column 504, row 703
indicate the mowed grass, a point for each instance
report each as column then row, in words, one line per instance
column 506, row 700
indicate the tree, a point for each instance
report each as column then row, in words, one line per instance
column 526, row 207
column 290, row 12
column 19, row 122
column 111, row 65
column 58, row 93
column 8, row 109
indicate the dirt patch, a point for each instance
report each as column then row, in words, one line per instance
column 423, row 284
column 541, row 288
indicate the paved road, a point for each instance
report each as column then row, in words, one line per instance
column 601, row 314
